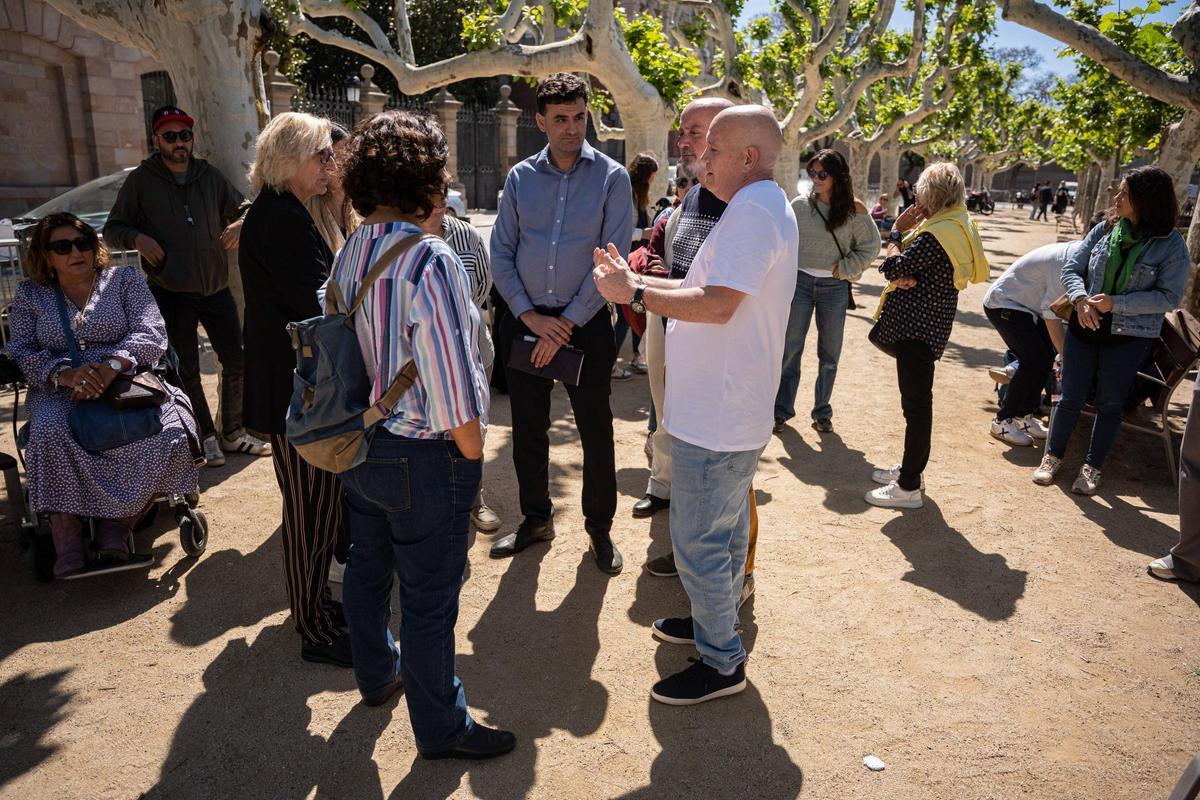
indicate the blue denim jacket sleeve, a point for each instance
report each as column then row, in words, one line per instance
column 1173, row 264
column 1075, row 271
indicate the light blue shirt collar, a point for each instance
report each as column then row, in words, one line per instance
column 543, row 158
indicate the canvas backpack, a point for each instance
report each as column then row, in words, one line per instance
column 330, row 416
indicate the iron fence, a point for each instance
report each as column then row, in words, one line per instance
column 327, row 101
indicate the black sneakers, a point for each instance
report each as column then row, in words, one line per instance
column 674, row 630
column 697, row 684
column 336, row 652
column 481, row 742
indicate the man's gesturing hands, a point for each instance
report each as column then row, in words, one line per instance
column 614, row 280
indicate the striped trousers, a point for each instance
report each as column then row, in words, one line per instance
column 312, row 524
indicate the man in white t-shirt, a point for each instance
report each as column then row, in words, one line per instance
column 728, row 318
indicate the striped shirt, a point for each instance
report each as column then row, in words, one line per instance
column 468, row 245
column 420, row 309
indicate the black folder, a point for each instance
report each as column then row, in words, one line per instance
column 566, row 365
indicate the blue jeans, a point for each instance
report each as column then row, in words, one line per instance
column 407, row 508
column 710, row 532
column 1113, row 367
column 829, row 298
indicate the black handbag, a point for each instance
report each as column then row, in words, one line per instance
column 97, row 425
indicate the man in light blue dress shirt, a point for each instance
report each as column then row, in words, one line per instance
column 557, row 207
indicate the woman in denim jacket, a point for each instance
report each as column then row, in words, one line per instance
column 1128, row 272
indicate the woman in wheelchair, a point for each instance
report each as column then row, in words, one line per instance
column 116, row 330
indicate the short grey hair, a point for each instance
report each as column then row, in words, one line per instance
column 940, row 187
column 284, row 145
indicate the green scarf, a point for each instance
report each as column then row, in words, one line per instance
column 1116, row 274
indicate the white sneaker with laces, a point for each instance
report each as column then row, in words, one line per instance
column 892, row 496
column 1033, row 426
column 246, row 444
column 1044, row 474
column 337, row 570
column 213, row 457
column 1008, row 430
column 1163, row 568
column 884, row 476
column 1088, row 481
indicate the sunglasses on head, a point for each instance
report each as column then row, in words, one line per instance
column 325, row 154
column 170, row 136
column 63, row 246
column 818, row 174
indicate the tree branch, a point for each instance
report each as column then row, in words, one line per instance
column 1139, row 74
column 403, row 32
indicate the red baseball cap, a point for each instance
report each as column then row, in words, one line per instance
column 170, row 114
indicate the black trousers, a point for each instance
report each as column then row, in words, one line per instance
column 1028, row 339
column 312, row 524
column 914, row 371
column 529, row 397
column 218, row 314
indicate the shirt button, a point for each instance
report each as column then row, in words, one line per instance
column 551, row 266
column 558, row 220
column 551, row 291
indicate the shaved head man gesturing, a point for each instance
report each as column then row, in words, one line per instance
column 727, row 319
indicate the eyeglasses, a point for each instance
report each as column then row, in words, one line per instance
column 63, row 246
column 170, row 136
column 818, row 174
column 325, row 154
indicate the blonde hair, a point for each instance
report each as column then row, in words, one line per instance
column 940, row 187
column 284, row 145
column 334, row 224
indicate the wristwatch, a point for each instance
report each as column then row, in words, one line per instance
column 636, row 303
column 116, row 365
column 895, row 236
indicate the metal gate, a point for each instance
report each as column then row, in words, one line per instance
column 478, row 155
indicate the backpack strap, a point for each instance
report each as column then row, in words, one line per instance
column 400, row 386
column 408, row 374
column 383, row 262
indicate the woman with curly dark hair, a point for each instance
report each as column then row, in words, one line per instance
column 408, row 503
column 1128, row 271
column 838, row 240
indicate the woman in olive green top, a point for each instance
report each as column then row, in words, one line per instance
column 838, row 241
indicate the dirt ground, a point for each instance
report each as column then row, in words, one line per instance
column 1004, row 641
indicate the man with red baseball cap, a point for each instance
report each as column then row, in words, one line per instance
column 176, row 209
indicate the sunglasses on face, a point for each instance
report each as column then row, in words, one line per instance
column 63, row 246
column 325, row 154
column 170, row 136
column 818, row 174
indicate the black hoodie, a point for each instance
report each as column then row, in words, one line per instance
column 185, row 219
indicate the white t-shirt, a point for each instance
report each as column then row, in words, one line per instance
column 722, row 379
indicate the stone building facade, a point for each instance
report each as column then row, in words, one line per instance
column 71, row 104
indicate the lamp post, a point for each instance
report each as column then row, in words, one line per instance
column 353, row 93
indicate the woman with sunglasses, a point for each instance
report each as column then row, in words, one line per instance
column 117, row 330
column 285, row 261
column 838, row 240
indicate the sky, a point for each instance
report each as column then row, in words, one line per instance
column 1007, row 34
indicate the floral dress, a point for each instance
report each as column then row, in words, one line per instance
column 121, row 320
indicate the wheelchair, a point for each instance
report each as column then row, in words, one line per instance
column 35, row 538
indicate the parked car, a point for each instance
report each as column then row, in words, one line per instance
column 455, row 204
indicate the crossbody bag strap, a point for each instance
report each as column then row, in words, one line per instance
column 64, row 317
column 841, row 253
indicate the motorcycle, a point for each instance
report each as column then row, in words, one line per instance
column 981, row 201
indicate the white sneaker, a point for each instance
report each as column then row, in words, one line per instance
column 1033, row 426
column 1044, row 474
column 337, row 570
column 246, row 444
column 892, row 496
column 890, row 475
column 1163, row 568
column 1008, row 430
column 1003, row 375
column 213, row 457
column 1088, row 480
